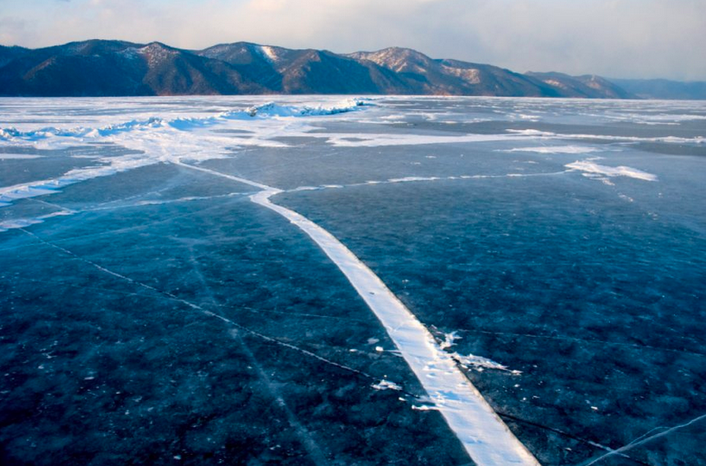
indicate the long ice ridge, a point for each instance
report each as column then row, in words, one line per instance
column 483, row 434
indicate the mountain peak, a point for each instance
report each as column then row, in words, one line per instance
column 154, row 46
column 124, row 68
column 157, row 53
column 398, row 59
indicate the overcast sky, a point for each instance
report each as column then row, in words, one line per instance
column 614, row 38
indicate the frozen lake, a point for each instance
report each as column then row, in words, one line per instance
column 332, row 281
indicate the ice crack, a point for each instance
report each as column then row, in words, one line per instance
column 484, row 435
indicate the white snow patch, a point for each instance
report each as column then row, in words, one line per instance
column 470, row 75
column 425, row 408
column 555, row 150
column 408, row 179
column 44, row 187
column 449, row 340
column 523, row 116
column 549, row 135
column 386, row 385
column 479, row 362
column 656, row 119
column 155, row 53
column 25, row 222
column 383, row 140
column 18, row 223
column 268, row 53
column 590, row 167
column 555, row 83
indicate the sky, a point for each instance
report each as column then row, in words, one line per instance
column 613, row 38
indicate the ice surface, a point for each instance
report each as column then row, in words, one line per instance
column 525, row 259
column 608, row 137
column 485, row 437
column 156, row 140
column 4, row 156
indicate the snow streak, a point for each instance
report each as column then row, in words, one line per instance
column 483, row 434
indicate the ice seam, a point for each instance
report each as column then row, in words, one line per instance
column 486, row 438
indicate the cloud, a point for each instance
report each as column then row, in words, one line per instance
column 12, row 27
column 620, row 38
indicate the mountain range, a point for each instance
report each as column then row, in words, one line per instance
column 118, row 68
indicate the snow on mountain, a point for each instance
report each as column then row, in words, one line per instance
column 115, row 68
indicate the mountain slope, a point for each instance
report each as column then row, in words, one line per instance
column 8, row 54
column 306, row 71
column 424, row 75
column 254, row 62
column 587, row 86
column 117, row 68
column 113, row 68
column 86, row 68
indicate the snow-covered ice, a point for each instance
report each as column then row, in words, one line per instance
column 431, row 227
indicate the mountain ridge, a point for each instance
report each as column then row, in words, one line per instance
column 121, row 68
column 663, row 88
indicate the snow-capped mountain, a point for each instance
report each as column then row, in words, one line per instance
column 105, row 68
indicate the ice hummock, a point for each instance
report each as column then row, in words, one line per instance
column 272, row 109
